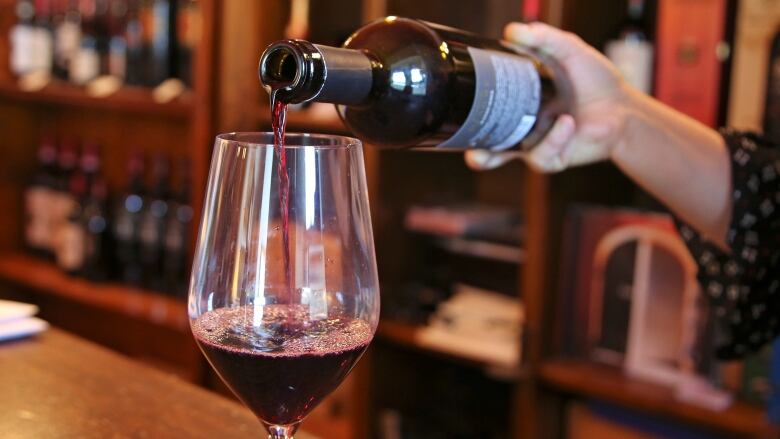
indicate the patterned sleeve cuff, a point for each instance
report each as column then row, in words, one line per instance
column 742, row 285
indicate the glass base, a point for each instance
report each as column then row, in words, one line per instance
column 281, row 431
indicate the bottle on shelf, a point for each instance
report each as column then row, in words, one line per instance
column 67, row 37
column 188, row 28
column 67, row 161
column 177, row 233
column 31, row 38
column 458, row 90
column 632, row 51
column 127, row 223
column 147, row 23
column 101, row 24
column 89, row 163
column 152, row 225
column 70, row 233
column 86, row 63
column 39, row 197
column 161, row 40
column 134, row 41
column 79, row 249
column 43, row 45
column 22, row 38
column 97, row 251
column 117, row 39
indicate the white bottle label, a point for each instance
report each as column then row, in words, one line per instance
column 38, row 232
column 71, row 247
column 634, row 60
column 85, row 66
column 43, row 49
column 506, row 101
column 22, row 49
column 67, row 41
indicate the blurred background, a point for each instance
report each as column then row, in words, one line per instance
column 515, row 305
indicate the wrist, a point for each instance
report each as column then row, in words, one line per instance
column 628, row 110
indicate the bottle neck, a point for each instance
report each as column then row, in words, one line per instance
column 296, row 71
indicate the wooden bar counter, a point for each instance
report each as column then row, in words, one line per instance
column 56, row 385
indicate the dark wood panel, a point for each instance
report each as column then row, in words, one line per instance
column 7, row 19
column 19, row 129
column 479, row 16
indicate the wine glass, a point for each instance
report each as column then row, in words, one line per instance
column 284, row 296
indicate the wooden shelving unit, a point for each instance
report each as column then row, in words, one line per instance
column 32, row 273
column 135, row 100
column 146, row 325
column 606, row 383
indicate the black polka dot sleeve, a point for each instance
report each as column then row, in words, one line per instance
column 744, row 285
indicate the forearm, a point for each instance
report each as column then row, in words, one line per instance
column 680, row 161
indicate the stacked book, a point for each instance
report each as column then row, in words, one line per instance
column 477, row 324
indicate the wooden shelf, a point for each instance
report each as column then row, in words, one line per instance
column 127, row 99
column 405, row 335
column 41, row 276
column 610, row 384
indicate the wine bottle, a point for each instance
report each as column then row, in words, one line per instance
column 632, row 51
column 161, row 41
column 22, row 37
column 61, row 206
column 188, row 27
column 90, row 162
column 39, row 198
column 117, row 43
column 146, row 25
column 43, row 45
column 152, row 225
column 127, row 223
column 70, row 234
column 101, row 34
column 86, row 63
column 67, row 37
column 134, row 67
column 96, row 231
column 177, row 231
column 72, row 251
column 400, row 82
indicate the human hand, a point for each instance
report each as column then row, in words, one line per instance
column 599, row 95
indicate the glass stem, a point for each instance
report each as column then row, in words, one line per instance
column 281, row 431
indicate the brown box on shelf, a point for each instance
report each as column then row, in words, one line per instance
column 597, row 283
column 688, row 72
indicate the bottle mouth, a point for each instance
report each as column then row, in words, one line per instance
column 280, row 67
column 292, row 141
column 288, row 68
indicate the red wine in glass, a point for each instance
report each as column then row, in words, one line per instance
column 284, row 295
column 280, row 370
